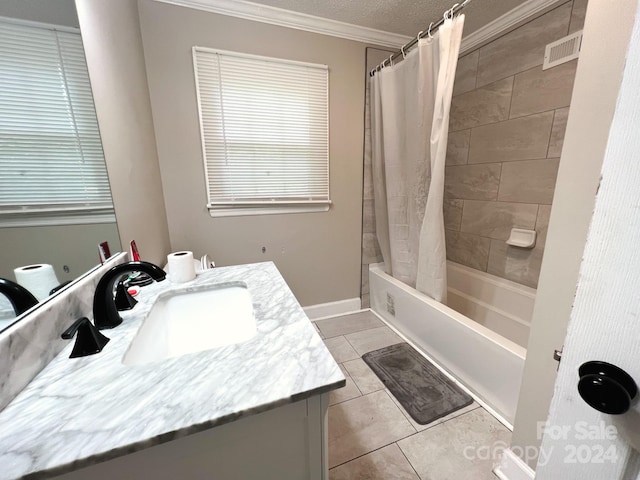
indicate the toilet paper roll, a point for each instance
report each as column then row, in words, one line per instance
column 181, row 268
column 39, row 279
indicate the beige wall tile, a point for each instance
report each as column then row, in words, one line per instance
column 523, row 138
column 465, row 80
column 370, row 249
column 557, row 132
column 577, row 15
column 472, row 182
column 542, row 224
column 367, row 191
column 364, row 280
column 368, row 216
column 538, row 90
column 496, row 219
column 458, row 147
column 522, row 48
column 366, row 301
column 452, row 213
column 484, row 105
column 467, row 249
column 516, row 264
column 528, row 181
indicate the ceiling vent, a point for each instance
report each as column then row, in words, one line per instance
column 563, row 50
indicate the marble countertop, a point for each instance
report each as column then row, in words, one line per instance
column 79, row 412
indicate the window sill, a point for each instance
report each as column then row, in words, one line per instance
column 252, row 210
column 44, row 220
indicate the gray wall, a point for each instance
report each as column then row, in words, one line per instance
column 113, row 48
column 506, row 129
column 73, row 245
column 318, row 253
column 55, row 12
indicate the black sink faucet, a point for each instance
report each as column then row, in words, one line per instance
column 21, row 299
column 105, row 313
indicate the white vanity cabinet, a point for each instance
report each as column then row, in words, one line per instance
column 254, row 409
column 286, row 443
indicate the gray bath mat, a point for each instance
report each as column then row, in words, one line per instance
column 424, row 392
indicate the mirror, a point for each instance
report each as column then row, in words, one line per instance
column 55, row 200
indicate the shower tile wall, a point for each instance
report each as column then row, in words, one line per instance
column 506, row 129
column 507, row 125
column 370, row 248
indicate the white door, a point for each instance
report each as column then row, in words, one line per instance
column 579, row 441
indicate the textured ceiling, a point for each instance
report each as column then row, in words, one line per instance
column 406, row 17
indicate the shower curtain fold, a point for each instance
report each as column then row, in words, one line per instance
column 410, row 104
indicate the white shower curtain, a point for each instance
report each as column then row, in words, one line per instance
column 410, row 104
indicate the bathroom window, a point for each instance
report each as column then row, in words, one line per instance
column 52, row 168
column 264, row 132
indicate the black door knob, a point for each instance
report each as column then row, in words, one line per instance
column 606, row 388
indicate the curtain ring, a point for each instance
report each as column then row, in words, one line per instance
column 419, row 35
column 403, row 54
column 451, row 11
column 429, row 31
column 391, row 60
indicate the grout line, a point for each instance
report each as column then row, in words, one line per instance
column 408, row 461
column 371, row 451
column 400, row 409
column 573, row 6
column 502, row 121
column 352, row 380
column 551, row 132
column 383, row 446
column 475, row 79
column 513, row 86
column 355, row 331
column 555, row 7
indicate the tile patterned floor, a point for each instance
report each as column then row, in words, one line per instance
column 371, row 437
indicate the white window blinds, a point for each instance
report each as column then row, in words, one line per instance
column 264, row 129
column 51, row 159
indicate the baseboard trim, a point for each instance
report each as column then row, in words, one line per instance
column 512, row 467
column 331, row 309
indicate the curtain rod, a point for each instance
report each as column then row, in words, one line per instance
column 452, row 12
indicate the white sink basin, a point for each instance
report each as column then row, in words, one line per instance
column 182, row 322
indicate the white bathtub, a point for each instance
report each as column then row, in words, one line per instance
column 487, row 363
column 501, row 305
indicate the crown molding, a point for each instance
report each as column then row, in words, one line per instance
column 507, row 22
column 291, row 19
column 324, row 26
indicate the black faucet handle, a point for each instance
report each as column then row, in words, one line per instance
column 124, row 301
column 89, row 340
